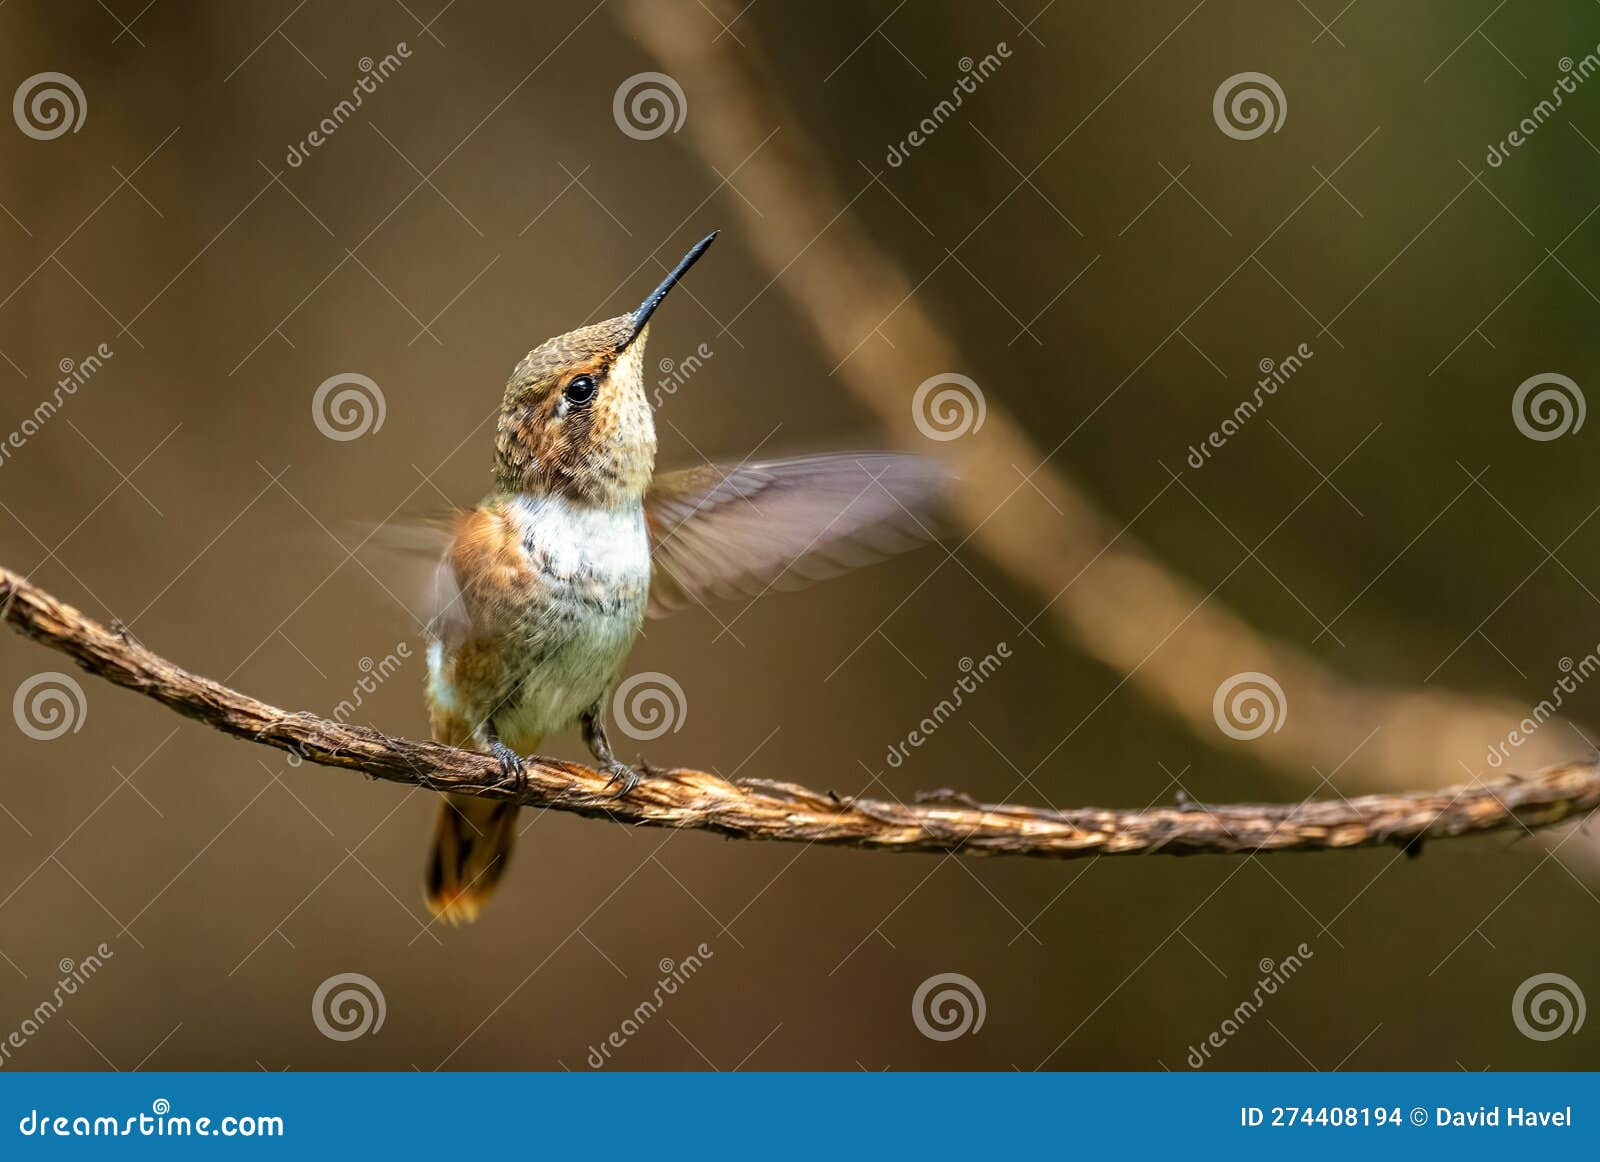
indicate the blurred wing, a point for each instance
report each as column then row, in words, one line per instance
column 735, row 531
column 410, row 553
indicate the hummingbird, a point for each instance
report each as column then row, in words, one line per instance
column 543, row 587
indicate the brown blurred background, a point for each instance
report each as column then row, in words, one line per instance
column 185, row 490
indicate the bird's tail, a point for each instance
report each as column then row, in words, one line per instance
column 471, row 846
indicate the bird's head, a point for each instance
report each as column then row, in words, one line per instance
column 575, row 419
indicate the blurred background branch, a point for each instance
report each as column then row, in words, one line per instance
column 1101, row 588
column 761, row 809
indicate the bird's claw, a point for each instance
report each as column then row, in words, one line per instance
column 621, row 773
column 512, row 772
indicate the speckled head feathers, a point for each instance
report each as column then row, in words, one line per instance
column 575, row 419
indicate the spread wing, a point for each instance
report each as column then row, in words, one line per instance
column 735, row 531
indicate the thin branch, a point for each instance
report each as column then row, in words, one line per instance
column 757, row 809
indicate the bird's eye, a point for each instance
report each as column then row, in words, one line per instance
column 580, row 389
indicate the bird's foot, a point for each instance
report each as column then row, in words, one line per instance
column 594, row 733
column 513, row 773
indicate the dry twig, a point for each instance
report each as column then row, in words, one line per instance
column 757, row 809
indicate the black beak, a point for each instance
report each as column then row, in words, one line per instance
column 648, row 307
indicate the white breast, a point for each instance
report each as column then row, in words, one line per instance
column 595, row 568
column 578, row 541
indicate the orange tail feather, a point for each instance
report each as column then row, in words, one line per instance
column 471, row 846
